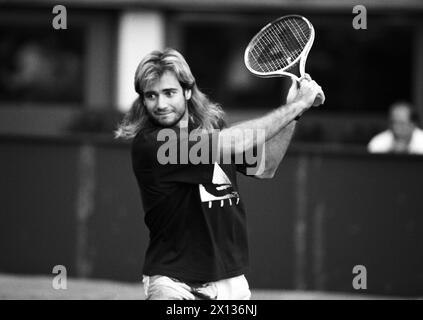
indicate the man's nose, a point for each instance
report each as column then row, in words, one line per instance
column 161, row 103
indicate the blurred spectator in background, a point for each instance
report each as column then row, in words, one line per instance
column 403, row 135
column 40, row 68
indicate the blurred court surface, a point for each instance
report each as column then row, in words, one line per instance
column 40, row 288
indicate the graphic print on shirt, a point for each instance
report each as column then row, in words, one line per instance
column 219, row 189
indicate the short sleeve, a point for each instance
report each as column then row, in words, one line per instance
column 250, row 162
column 381, row 143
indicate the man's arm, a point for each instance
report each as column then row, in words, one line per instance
column 277, row 146
column 276, row 123
column 270, row 125
column 275, row 150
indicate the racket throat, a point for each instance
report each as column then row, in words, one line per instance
column 295, row 71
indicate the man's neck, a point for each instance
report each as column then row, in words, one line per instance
column 183, row 123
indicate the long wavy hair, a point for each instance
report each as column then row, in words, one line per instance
column 203, row 114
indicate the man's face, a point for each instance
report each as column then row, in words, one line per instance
column 165, row 100
column 401, row 124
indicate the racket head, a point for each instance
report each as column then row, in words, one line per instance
column 279, row 46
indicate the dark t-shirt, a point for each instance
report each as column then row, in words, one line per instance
column 194, row 212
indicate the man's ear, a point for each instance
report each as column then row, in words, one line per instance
column 188, row 93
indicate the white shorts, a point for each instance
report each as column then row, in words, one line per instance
column 164, row 288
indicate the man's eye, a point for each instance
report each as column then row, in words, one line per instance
column 170, row 93
column 150, row 96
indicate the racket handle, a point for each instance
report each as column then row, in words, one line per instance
column 318, row 101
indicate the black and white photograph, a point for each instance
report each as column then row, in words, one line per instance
column 226, row 150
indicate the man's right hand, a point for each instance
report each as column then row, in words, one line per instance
column 310, row 93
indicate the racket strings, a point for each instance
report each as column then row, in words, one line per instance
column 265, row 60
column 279, row 45
column 291, row 44
column 261, row 45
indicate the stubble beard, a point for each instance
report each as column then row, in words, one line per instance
column 157, row 123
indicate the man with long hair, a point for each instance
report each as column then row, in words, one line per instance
column 198, row 236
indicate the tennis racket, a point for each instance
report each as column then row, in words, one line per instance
column 281, row 49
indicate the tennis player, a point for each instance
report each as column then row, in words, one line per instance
column 198, row 245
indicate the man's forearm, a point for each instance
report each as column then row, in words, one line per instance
column 275, row 150
column 270, row 125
